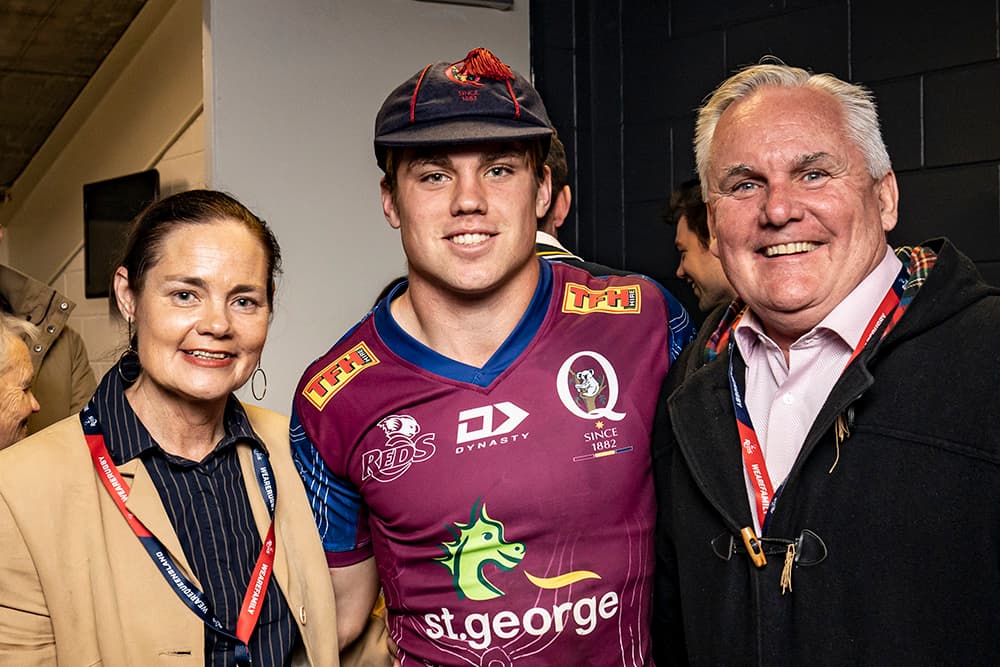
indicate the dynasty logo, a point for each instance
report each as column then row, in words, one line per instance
column 489, row 426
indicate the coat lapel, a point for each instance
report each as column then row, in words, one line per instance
column 702, row 415
column 144, row 502
column 855, row 380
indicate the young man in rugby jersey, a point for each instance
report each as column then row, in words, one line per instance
column 478, row 445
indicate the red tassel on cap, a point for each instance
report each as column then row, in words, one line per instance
column 482, row 63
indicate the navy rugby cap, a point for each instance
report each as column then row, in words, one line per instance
column 475, row 99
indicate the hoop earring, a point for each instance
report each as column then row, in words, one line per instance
column 129, row 366
column 253, row 383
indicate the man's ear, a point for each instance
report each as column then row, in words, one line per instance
column 713, row 246
column 389, row 205
column 544, row 195
column 888, row 200
column 560, row 207
column 124, row 295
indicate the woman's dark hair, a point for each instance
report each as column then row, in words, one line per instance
column 193, row 207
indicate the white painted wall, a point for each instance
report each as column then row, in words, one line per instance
column 291, row 93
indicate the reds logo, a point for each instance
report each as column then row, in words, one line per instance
column 404, row 446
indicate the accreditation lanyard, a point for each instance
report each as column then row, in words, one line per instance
column 186, row 590
column 892, row 307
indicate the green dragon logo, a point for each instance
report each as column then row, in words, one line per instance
column 476, row 543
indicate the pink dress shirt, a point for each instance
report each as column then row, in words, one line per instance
column 784, row 399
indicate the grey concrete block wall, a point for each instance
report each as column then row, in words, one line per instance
column 622, row 78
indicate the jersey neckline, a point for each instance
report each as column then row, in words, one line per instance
column 410, row 349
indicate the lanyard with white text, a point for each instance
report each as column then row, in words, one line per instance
column 753, row 458
column 184, row 587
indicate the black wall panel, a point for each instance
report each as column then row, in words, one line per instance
column 891, row 38
column 810, row 38
column 900, row 113
column 957, row 202
column 962, row 114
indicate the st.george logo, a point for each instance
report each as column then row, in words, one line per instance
column 404, row 446
column 477, row 543
column 479, row 556
column 480, row 542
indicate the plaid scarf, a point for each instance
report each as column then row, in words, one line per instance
column 918, row 261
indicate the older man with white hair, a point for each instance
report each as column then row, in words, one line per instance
column 17, row 402
column 828, row 468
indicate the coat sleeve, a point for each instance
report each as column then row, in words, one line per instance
column 669, row 647
column 26, row 635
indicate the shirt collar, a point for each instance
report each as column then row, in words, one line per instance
column 126, row 436
column 843, row 320
column 544, row 238
column 548, row 239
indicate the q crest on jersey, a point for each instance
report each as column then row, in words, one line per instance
column 587, row 385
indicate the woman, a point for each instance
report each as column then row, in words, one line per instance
column 17, row 402
column 146, row 530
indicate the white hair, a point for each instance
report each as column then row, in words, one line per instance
column 856, row 101
column 13, row 328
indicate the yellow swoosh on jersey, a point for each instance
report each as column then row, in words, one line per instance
column 562, row 579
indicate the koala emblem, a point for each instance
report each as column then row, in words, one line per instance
column 586, row 384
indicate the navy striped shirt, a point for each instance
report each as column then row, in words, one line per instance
column 208, row 506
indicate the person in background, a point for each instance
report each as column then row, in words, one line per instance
column 548, row 247
column 698, row 264
column 17, row 402
column 64, row 380
column 479, row 442
column 168, row 519
column 828, row 460
column 547, row 243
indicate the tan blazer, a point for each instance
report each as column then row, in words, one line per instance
column 77, row 587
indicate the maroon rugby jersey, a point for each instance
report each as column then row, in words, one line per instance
column 510, row 509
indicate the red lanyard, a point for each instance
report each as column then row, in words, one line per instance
column 184, row 587
column 765, row 496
